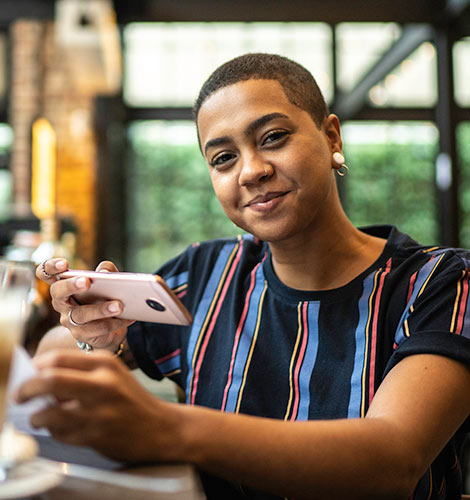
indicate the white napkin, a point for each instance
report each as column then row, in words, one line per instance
column 22, row 369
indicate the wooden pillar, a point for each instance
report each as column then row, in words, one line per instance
column 446, row 167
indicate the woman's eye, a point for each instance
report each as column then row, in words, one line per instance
column 221, row 159
column 274, row 136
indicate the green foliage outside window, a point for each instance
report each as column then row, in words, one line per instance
column 463, row 148
column 393, row 184
column 172, row 204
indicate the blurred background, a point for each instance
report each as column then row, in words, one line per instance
column 98, row 152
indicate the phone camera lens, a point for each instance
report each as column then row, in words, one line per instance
column 155, row 305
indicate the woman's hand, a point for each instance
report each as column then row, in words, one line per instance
column 100, row 404
column 94, row 324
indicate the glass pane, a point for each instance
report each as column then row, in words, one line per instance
column 413, row 83
column 166, row 63
column 171, row 201
column 461, row 53
column 463, row 151
column 3, row 65
column 5, row 193
column 359, row 47
column 391, row 176
column 6, row 139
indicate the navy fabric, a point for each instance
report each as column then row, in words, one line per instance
column 259, row 347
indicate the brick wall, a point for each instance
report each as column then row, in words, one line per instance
column 41, row 85
column 25, row 105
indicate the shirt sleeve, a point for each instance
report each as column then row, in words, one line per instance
column 157, row 347
column 437, row 317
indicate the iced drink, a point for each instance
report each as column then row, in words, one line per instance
column 16, row 279
column 11, row 323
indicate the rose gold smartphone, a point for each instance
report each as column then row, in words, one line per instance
column 145, row 297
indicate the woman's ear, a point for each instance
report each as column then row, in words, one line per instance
column 333, row 132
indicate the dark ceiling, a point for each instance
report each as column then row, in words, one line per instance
column 402, row 11
column 452, row 13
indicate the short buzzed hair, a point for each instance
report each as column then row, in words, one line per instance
column 298, row 84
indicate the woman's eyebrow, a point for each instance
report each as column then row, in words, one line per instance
column 254, row 125
column 216, row 142
column 262, row 120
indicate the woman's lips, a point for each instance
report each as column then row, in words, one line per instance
column 266, row 202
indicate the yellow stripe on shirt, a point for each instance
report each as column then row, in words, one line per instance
column 252, row 348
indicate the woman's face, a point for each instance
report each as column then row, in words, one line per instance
column 270, row 165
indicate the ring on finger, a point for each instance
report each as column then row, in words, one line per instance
column 43, row 270
column 71, row 321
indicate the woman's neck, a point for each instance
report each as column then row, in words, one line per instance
column 326, row 259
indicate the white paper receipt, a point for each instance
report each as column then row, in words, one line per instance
column 22, row 369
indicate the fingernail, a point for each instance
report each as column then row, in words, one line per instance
column 114, row 307
column 80, row 283
column 60, row 265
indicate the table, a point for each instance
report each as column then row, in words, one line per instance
column 87, row 475
column 84, row 474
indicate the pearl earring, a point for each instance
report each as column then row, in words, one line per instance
column 342, row 168
column 338, row 158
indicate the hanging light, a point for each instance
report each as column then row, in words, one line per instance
column 43, row 181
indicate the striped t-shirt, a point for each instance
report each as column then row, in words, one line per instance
column 259, row 347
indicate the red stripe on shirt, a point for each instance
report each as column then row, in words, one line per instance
column 212, row 323
column 300, row 360
column 463, row 305
column 411, row 286
column 168, row 356
column 373, row 347
column 238, row 334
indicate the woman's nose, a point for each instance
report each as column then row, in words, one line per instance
column 254, row 169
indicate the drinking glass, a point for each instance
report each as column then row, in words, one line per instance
column 16, row 282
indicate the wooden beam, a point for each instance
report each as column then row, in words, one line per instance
column 10, row 10
column 347, row 105
column 401, row 11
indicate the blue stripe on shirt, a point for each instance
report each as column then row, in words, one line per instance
column 423, row 275
column 177, row 280
column 355, row 397
column 246, row 339
column 309, row 360
column 170, row 365
column 203, row 308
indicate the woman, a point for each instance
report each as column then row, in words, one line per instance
column 324, row 361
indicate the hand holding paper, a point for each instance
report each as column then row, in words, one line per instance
column 22, row 369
